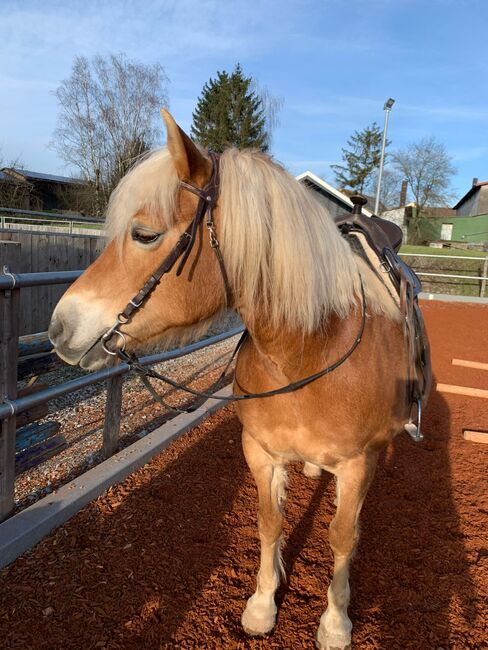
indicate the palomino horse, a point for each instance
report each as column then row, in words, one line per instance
column 302, row 293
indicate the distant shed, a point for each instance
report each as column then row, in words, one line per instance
column 42, row 191
column 334, row 200
column 474, row 202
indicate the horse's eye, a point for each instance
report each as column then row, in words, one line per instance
column 145, row 236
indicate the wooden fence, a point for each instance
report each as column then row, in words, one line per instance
column 68, row 228
column 34, row 252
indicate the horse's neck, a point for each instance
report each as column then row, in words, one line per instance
column 290, row 354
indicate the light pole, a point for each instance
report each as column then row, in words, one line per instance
column 387, row 108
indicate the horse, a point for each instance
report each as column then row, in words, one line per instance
column 303, row 294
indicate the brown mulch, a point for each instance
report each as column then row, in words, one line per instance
column 167, row 558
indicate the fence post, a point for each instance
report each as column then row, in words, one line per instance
column 111, row 424
column 484, row 274
column 9, row 340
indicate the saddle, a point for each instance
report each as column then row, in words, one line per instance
column 378, row 242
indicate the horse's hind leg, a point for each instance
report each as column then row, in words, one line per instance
column 312, row 471
column 353, row 480
column 260, row 613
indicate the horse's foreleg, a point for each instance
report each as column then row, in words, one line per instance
column 260, row 613
column 353, row 480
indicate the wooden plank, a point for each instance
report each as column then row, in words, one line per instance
column 470, row 364
column 33, row 434
column 37, row 454
column 38, row 364
column 35, row 412
column 32, row 414
column 10, row 255
column 462, row 390
column 476, row 436
column 34, row 344
column 9, row 335
column 26, row 294
column 111, row 425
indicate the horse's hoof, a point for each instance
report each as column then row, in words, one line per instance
column 331, row 645
column 255, row 626
column 312, row 471
column 332, row 641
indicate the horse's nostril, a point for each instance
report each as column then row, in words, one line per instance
column 55, row 330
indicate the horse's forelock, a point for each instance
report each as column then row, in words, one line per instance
column 151, row 185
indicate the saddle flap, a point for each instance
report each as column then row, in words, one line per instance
column 400, row 270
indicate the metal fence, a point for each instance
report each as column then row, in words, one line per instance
column 481, row 278
column 11, row 405
column 12, row 218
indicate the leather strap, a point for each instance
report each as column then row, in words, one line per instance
column 208, row 196
column 289, row 388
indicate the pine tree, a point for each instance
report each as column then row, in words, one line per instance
column 230, row 112
column 361, row 159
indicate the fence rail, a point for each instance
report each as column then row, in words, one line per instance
column 51, row 216
column 11, row 406
column 482, row 278
column 13, row 219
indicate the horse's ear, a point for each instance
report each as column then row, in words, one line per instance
column 189, row 162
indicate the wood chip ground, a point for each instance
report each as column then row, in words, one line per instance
column 167, row 558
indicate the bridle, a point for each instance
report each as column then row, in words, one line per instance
column 207, row 200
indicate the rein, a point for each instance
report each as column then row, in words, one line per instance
column 207, row 200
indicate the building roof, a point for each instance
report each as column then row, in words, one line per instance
column 329, row 189
column 9, row 172
column 474, row 188
column 435, row 213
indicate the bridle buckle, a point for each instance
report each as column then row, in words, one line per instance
column 121, row 320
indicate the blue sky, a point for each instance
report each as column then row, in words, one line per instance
column 334, row 63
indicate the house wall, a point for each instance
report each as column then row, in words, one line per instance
column 483, row 202
column 476, row 204
column 466, row 229
column 333, row 204
column 469, row 207
column 398, row 217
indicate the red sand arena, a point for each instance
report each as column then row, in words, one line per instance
column 168, row 558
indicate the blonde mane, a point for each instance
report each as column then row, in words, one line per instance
column 283, row 253
column 281, row 247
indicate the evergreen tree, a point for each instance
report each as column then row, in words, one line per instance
column 361, row 159
column 230, row 112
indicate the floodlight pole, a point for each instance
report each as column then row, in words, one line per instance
column 387, row 108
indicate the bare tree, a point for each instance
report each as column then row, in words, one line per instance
column 108, row 116
column 15, row 192
column 272, row 106
column 391, row 182
column 428, row 169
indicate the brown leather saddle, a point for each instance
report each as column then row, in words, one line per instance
column 381, row 239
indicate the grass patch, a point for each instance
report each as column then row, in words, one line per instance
column 471, row 265
column 427, row 250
